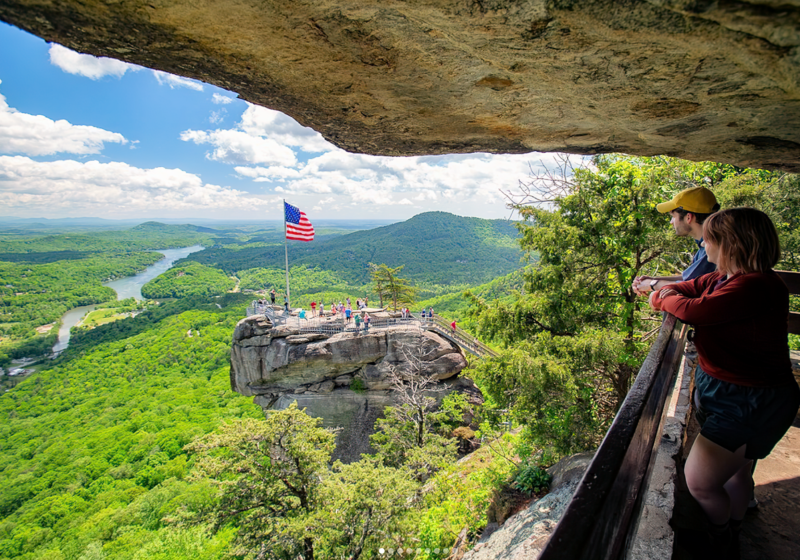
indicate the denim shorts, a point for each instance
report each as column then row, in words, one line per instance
column 734, row 415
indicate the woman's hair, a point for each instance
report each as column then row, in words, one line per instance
column 746, row 238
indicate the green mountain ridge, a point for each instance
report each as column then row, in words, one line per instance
column 434, row 246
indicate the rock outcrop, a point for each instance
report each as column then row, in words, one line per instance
column 342, row 378
column 699, row 80
column 524, row 535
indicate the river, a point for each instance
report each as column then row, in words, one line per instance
column 130, row 286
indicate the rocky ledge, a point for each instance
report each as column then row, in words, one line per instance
column 525, row 534
column 698, row 80
column 342, row 378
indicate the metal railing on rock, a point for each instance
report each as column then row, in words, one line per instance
column 275, row 314
column 459, row 336
column 333, row 324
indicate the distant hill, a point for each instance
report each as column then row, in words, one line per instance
column 171, row 228
column 435, row 247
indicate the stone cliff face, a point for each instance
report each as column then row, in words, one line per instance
column 524, row 535
column 343, row 378
column 700, row 80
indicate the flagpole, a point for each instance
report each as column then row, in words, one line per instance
column 286, row 252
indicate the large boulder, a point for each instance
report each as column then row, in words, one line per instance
column 699, row 80
column 344, row 378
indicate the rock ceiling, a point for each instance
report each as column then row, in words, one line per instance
column 695, row 79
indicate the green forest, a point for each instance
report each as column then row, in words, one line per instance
column 131, row 445
column 188, row 279
column 43, row 276
column 434, row 247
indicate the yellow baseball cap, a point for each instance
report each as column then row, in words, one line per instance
column 695, row 199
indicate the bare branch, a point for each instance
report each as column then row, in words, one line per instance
column 546, row 184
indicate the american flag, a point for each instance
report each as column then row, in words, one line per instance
column 297, row 225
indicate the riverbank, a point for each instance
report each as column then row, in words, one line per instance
column 128, row 287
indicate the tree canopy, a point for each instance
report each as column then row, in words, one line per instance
column 388, row 284
column 577, row 333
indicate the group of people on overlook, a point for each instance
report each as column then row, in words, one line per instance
column 745, row 395
column 346, row 312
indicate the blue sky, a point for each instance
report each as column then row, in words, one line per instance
column 88, row 137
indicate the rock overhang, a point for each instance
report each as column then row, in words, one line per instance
column 698, row 80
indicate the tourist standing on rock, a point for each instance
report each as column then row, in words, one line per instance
column 347, row 313
column 689, row 209
column 367, row 321
column 453, row 327
column 285, row 303
column 745, row 394
column 272, row 296
column 302, row 313
column 358, row 322
column 348, row 301
column 313, row 308
column 333, row 309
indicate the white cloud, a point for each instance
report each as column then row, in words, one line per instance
column 264, row 174
column 469, row 182
column 238, row 148
column 174, row 81
column 260, row 121
column 425, row 195
column 268, row 147
column 217, row 117
column 112, row 189
column 219, row 99
column 36, row 135
column 88, row 65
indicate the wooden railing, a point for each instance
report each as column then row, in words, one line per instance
column 792, row 281
column 597, row 522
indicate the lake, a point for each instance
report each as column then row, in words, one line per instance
column 130, row 286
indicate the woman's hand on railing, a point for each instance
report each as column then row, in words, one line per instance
column 656, row 297
column 654, row 302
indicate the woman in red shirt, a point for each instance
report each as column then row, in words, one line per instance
column 746, row 397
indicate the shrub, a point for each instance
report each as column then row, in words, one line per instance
column 357, row 385
column 531, row 479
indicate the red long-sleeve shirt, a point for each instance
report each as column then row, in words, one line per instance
column 740, row 326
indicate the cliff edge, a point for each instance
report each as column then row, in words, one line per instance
column 342, row 378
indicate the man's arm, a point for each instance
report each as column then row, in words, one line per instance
column 644, row 285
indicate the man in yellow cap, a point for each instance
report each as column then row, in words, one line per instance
column 689, row 209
